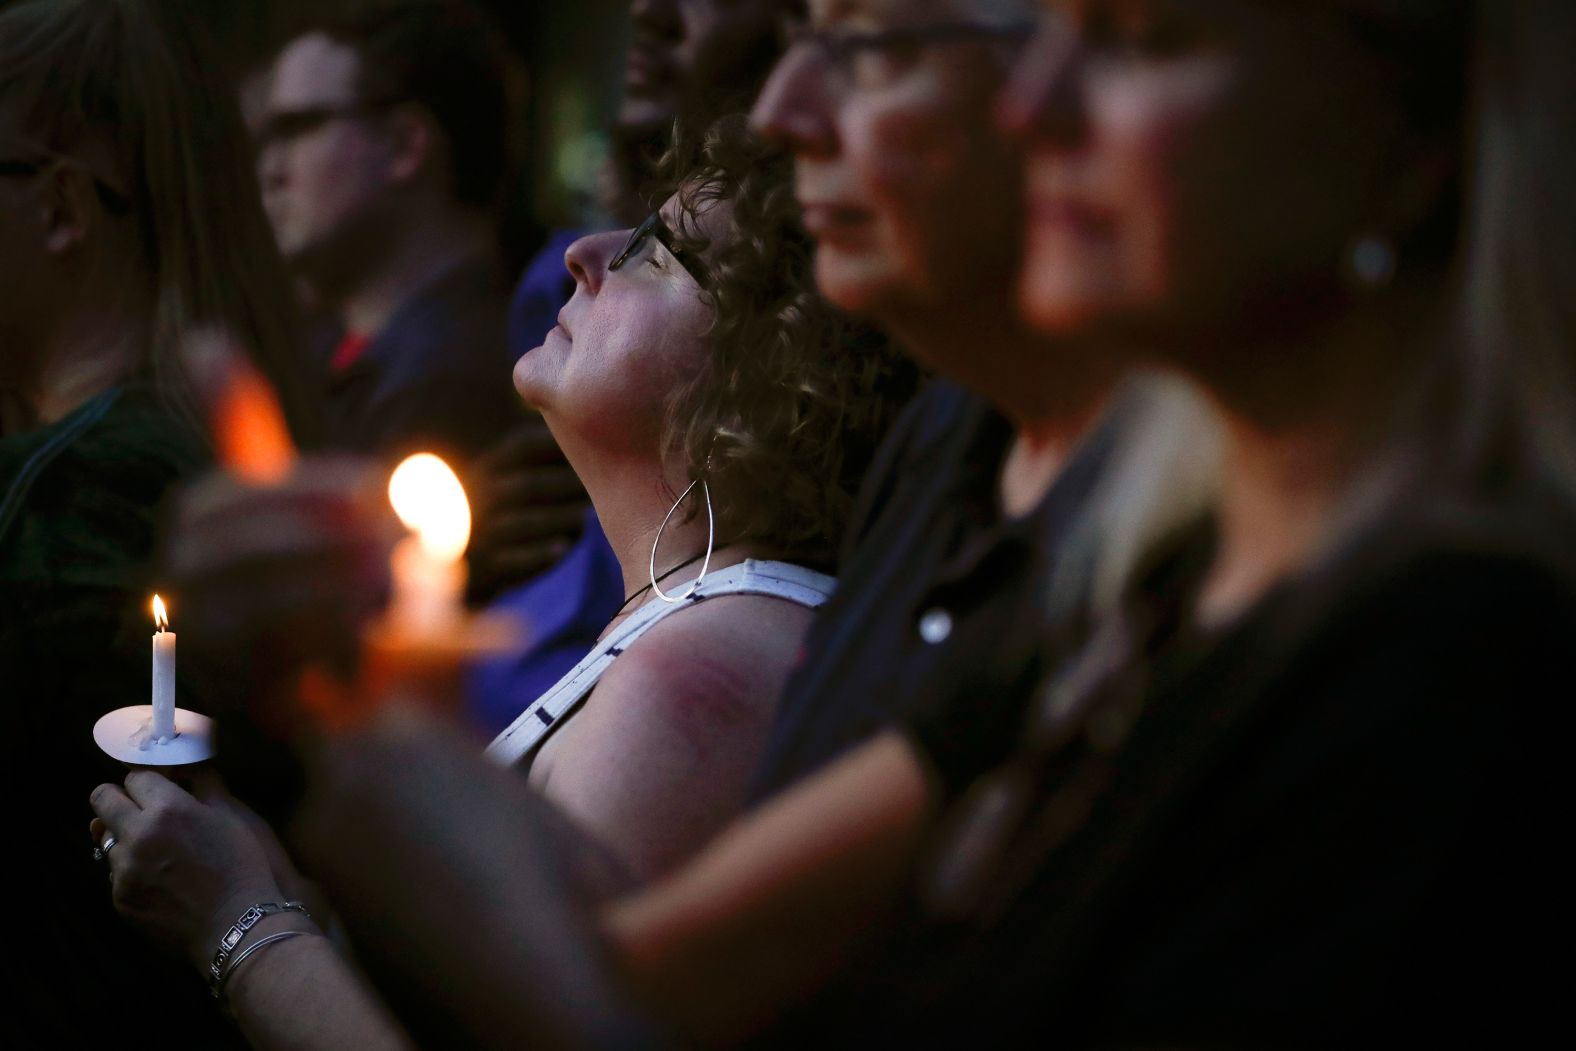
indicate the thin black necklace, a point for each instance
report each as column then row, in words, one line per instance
column 647, row 587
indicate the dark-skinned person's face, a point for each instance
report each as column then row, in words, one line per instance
column 690, row 55
column 1201, row 166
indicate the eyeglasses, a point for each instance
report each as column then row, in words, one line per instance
column 655, row 226
column 876, row 58
column 290, row 124
column 114, row 200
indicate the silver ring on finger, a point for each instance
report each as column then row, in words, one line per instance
column 101, row 851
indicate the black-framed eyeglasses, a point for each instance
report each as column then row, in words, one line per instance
column 655, row 226
column 289, row 124
column 114, row 200
column 857, row 55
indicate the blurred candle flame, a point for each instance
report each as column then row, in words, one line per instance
column 161, row 618
column 253, row 439
column 429, row 499
column 250, row 432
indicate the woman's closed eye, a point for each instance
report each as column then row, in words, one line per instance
column 657, row 246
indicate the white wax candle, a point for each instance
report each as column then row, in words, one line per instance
column 428, row 568
column 163, row 676
column 163, row 685
column 428, row 589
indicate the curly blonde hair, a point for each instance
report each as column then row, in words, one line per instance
column 794, row 395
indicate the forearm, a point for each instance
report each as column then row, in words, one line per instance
column 460, row 909
column 300, row 994
column 780, row 902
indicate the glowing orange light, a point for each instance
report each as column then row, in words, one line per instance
column 429, row 499
column 254, row 441
column 161, row 618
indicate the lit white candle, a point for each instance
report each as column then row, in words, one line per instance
column 428, row 571
column 163, row 675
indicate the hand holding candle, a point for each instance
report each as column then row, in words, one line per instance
column 419, row 647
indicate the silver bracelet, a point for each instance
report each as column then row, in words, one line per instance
column 232, row 937
column 241, row 956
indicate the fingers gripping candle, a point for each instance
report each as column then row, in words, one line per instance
column 163, row 674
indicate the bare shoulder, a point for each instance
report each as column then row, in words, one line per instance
column 658, row 758
column 736, row 647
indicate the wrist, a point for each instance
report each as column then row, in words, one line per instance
column 252, row 955
column 233, row 922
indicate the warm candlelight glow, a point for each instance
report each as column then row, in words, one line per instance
column 161, row 619
column 248, row 424
column 431, row 502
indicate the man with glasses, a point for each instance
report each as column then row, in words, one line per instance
column 380, row 153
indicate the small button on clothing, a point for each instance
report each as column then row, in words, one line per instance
column 935, row 626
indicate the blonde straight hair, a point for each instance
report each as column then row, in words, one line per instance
column 1518, row 372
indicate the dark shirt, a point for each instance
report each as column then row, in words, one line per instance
column 1337, row 823
column 937, row 591
column 76, row 540
column 435, row 379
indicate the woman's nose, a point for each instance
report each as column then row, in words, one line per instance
column 271, row 166
column 588, row 257
column 1043, row 102
column 794, row 110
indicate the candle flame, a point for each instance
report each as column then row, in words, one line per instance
column 429, row 499
column 161, row 618
column 244, row 414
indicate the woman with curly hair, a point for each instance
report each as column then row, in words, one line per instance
column 720, row 414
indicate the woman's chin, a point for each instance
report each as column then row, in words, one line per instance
column 527, row 379
column 856, row 281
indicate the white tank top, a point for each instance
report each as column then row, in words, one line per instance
column 519, row 742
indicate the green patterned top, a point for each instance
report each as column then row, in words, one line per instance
column 79, row 502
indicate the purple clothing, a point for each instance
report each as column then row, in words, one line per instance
column 565, row 608
column 542, row 292
column 562, row 611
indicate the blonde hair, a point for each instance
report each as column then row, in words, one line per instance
column 1517, row 374
column 119, row 78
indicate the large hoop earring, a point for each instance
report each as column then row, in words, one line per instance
column 711, row 536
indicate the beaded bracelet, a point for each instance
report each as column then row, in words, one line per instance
column 237, row 932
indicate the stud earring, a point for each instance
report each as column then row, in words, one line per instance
column 1371, row 262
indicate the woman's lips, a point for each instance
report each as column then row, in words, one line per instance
column 646, row 74
column 1073, row 216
